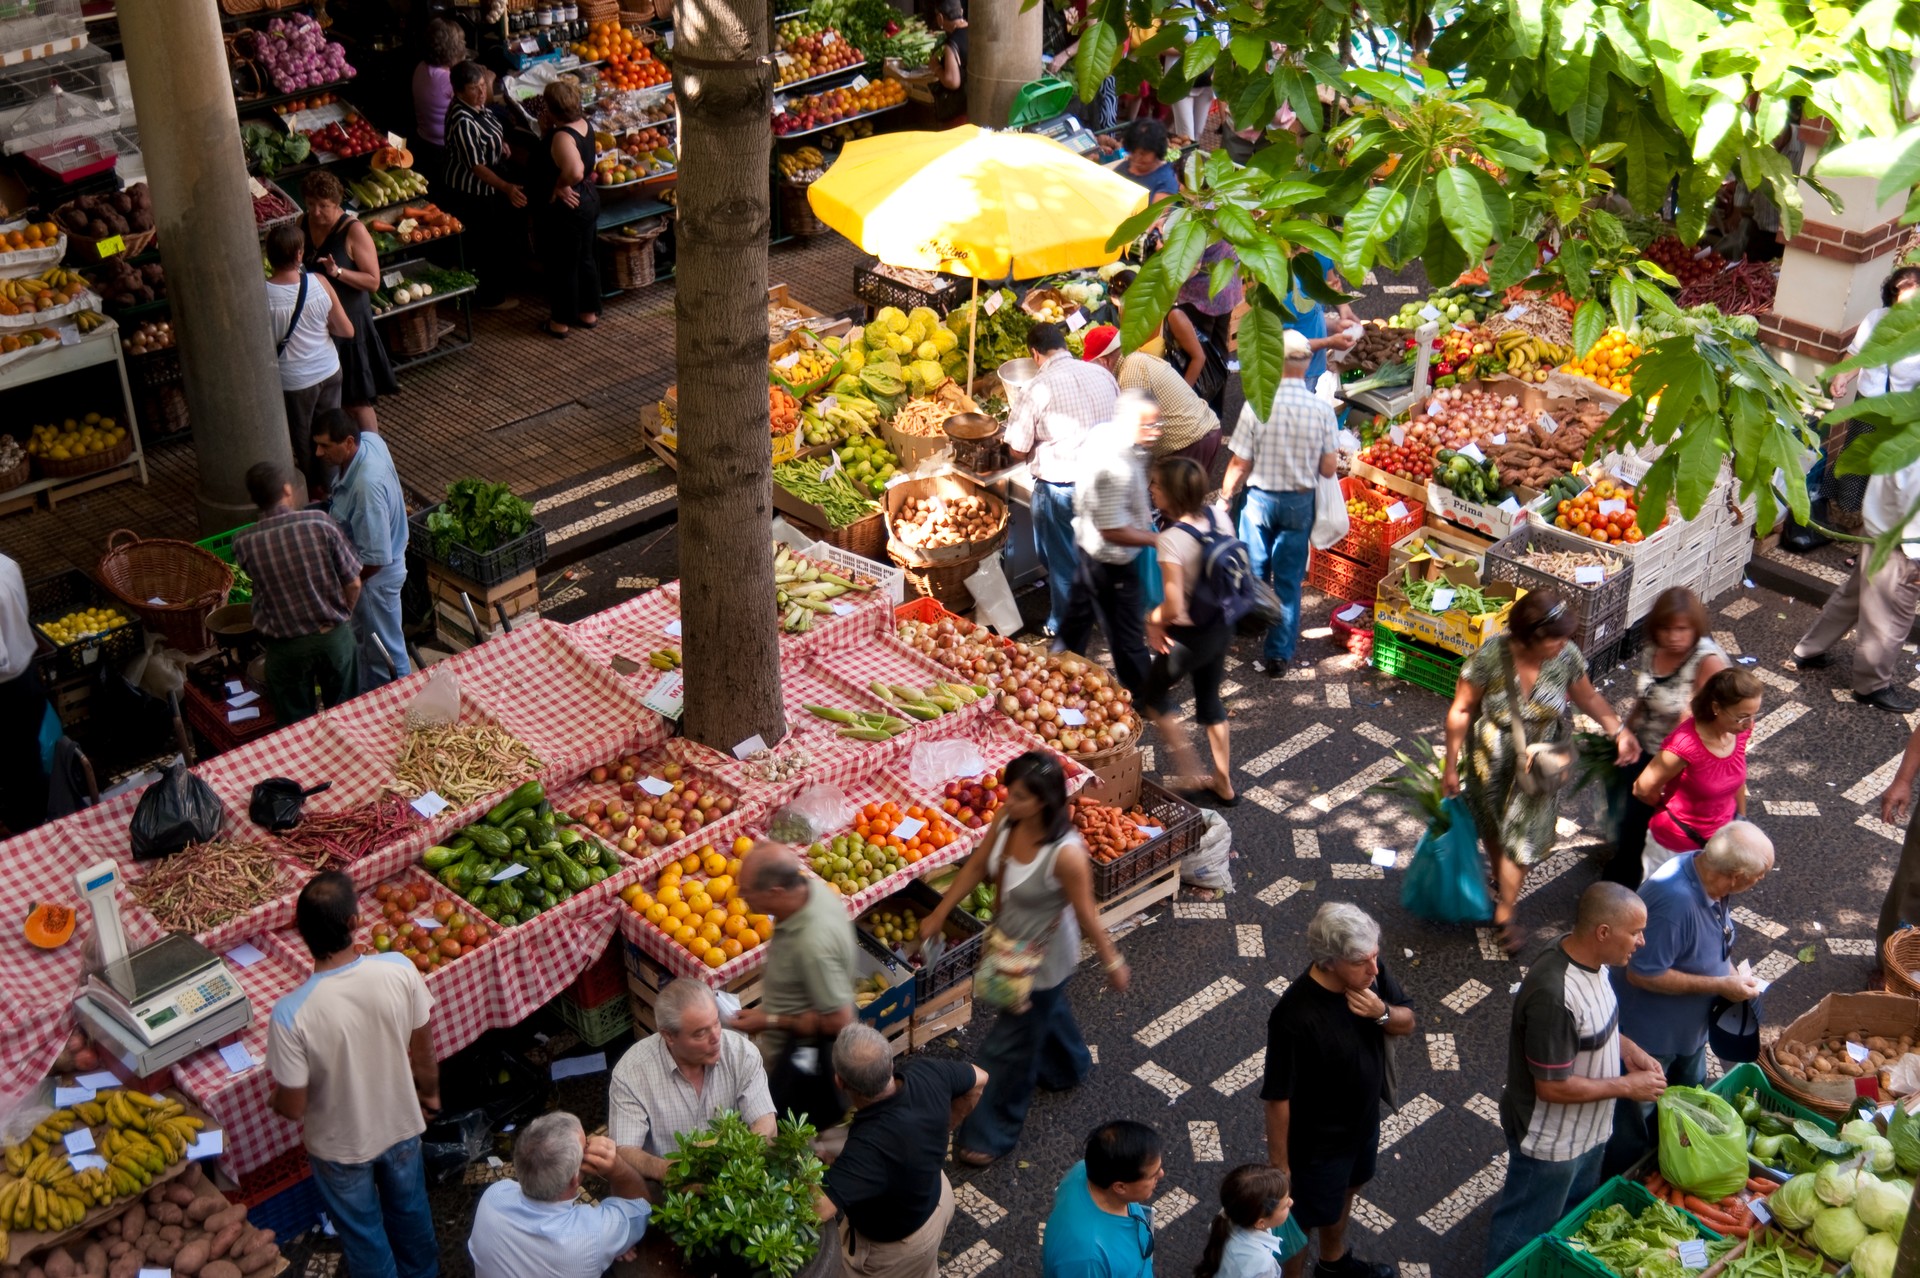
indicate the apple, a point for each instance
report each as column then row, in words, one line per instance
column 658, row 836
column 671, row 772
column 629, row 845
column 626, row 772
column 598, row 774
column 724, row 804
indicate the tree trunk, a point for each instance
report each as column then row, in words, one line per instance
column 723, row 76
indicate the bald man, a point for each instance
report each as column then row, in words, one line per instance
column 1567, row 1064
column 807, row 995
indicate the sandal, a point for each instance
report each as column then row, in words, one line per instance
column 971, row 1158
column 558, row 334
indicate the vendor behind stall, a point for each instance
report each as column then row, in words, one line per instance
column 477, row 191
column 1308, row 317
column 676, row 1080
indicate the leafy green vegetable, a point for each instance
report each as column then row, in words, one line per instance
column 270, row 150
column 729, row 1192
column 1003, row 333
column 479, row 516
column 1417, row 784
column 1904, row 1132
column 1420, row 592
column 1643, row 1246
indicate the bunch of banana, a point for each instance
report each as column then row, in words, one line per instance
column 664, row 659
column 25, row 290
column 804, row 367
column 794, row 163
column 47, row 1196
column 87, row 321
column 931, row 702
column 63, row 279
column 1528, row 356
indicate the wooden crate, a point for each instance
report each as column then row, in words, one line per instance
column 950, row 1010
column 518, row 597
column 1163, row 885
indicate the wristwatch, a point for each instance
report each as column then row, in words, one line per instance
column 1384, row 1017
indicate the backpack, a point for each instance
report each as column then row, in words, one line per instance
column 1225, row 590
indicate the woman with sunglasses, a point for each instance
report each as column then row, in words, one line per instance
column 1698, row 781
column 1531, row 670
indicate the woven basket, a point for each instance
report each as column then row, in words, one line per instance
column 75, row 467
column 866, row 538
column 599, row 10
column 84, row 250
column 21, row 474
column 412, row 333
column 163, row 410
column 1900, row 958
column 630, row 258
column 192, row 580
column 945, row 584
column 796, row 215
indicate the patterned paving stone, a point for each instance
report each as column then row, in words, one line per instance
column 1200, row 910
column 1462, row 1202
column 1774, row 679
column 1164, row 1081
column 1242, row 1076
column 1869, row 788
column 972, row 1262
column 1773, row 721
column 1170, row 1206
column 1249, row 940
column 1279, row 890
column 1853, row 946
column 1410, row 1115
column 1370, row 1216
column 1758, row 922
column 1867, row 821
column 1441, row 1053
column 1278, row 986
column 1790, row 808
column 1266, row 798
column 1727, row 641
column 1463, row 999
column 1204, row 1136
column 1186, row 1012
column 1485, row 1106
column 1337, row 698
column 1263, row 763
column 1488, row 939
column 1348, row 790
column 1775, row 965
column 1348, row 870
column 979, row 1208
column 1306, row 844
column 1379, row 736
column 1738, row 609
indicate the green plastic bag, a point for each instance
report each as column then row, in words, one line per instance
column 1703, row 1143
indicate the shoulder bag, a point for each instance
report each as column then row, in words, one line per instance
column 1004, row 979
column 1543, row 768
column 299, row 306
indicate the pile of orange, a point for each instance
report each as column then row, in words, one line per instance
column 879, row 820
column 1607, row 362
column 1582, row 514
column 697, row 902
column 607, row 38
column 635, row 71
column 34, row 235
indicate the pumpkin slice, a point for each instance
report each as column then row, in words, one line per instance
column 50, row 925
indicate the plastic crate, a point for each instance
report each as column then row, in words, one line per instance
column 595, row 1025
column 291, row 1212
column 1631, row 1194
column 894, row 1008
column 1180, row 827
column 51, row 598
column 604, row 979
column 278, row 1174
column 890, row 578
column 1549, row 1257
column 962, row 955
column 483, row 568
column 1367, row 543
column 1748, row 1076
column 220, row 546
column 1338, row 577
column 879, row 290
column 1600, row 611
column 1420, row 664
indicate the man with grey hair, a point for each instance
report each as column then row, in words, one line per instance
column 1112, row 522
column 534, row 1226
column 676, row 1080
column 1326, row 1076
column 1667, row 992
column 887, row 1184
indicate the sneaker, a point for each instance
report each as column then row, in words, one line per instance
column 1351, row 1266
column 1888, row 698
column 1818, row 661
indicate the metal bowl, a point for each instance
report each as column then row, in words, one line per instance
column 231, row 625
column 971, row 426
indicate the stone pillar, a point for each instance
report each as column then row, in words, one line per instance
column 1003, row 53
column 190, row 135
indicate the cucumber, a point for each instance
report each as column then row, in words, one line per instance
column 527, row 796
column 552, row 880
column 509, row 897
column 596, row 874
column 439, row 858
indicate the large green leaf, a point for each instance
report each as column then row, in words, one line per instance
column 1444, row 259
column 1153, row 290
column 1524, row 17
column 1575, row 268
column 1375, row 219
column 1655, row 297
column 1888, row 411
column 1310, row 279
column 1702, row 448
column 1512, row 263
column 1498, row 201
column 1411, row 238
column 1264, row 258
column 1099, row 52
column 1647, row 159
column 1235, row 223
column 1589, row 322
column 1625, row 301
column 1382, row 86
column 1262, row 338
column 1250, row 51
column 1655, row 489
column 1587, row 112
column 1200, row 55
column 1134, row 227
column 1310, row 235
column 1464, row 211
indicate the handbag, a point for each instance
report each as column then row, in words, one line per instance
column 1004, row 978
column 1540, row 769
column 1152, row 588
column 1213, row 377
column 299, row 305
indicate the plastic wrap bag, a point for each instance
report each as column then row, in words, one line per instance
column 811, row 815
column 1446, row 882
column 1207, row 865
column 1330, row 519
column 176, row 810
column 437, row 704
column 935, row 763
column 1703, row 1143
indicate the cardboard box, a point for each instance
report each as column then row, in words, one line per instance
column 1843, row 1016
column 946, row 485
column 872, row 965
column 1456, row 629
column 1381, row 479
column 1445, row 539
column 1116, row 778
column 1493, row 521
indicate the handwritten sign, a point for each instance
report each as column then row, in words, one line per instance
column 1429, row 313
column 1613, row 506
column 1397, row 434
column 111, row 245
column 1548, row 426
column 860, row 82
column 1076, row 322
column 668, row 697
column 992, row 304
column 430, row 805
column 1693, row 1254
column 397, row 142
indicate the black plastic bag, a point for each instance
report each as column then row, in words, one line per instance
column 176, row 810
column 278, row 803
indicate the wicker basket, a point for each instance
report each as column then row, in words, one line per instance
column 84, row 250
column 75, row 467
column 21, row 474
column 866, row 538
column 945, row 584
column 796, row 215
column 412, row 333
column 599, row 10
column 1900, row 959
column 193, row 582
column 630, row 257
column 163, row 410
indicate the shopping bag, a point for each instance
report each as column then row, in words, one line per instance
column 1152, row 588
column 1446, row 883
column 1703, row 1143
column 176, row 810
column 1330, row 521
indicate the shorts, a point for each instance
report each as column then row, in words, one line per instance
column 1320, row 1187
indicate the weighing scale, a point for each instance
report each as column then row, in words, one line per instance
column 157, row 1005
column 1068, row 132
column 1390, row 402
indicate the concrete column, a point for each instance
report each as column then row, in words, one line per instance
column 1003, row 53
column 190, row 135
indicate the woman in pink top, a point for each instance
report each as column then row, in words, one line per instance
column 1698, row 781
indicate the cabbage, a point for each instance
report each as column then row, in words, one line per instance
column 1879, row 1204
column 1836, row 1232
column 891, row 318
column 924, row 375
column 928, row 351
column 1794, row 1203
column 1874, row 1257
column 944, row 340
column 1879, row 1152
column 1833, row 1184
column 1766, row 1148
column 1904, row 1132
column 925, row 316
column 1859, row 1131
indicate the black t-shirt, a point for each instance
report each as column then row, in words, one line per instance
column 1329, row 1063
column 887, row 1179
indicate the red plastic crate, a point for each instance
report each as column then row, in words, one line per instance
column 1368, row 543
column 1355, row 636
column 606, row 978
column 1338, row 577
column 278, row 1174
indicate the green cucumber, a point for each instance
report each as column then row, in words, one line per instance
column 527, row 796
column 439, row 858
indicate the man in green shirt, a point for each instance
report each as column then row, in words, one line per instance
column 807, row 994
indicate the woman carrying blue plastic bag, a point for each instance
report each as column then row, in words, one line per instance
column 1446, row 882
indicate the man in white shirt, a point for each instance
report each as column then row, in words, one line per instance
column 676, row 1080
column 534, row 1226
column 23, row 708
column 1112, row 521
column 1061, row 407
column 1278, row 460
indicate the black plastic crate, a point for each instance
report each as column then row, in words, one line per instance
column 482, row 567
column 1600, row 611
column 963, row 932
column 1180, row 827
column 883, row 290
column 51, row 598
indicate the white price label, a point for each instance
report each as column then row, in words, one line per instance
column 1151, row 831
column 908, row 827
column 1472, row 453
column 94, row 1162
column 65, row 1096
column 1548, row 426
column 827, row 404
column 1397, row 434
column 860, row 82
column 243, row 699
column 784, row 58
column 1613, row 506
column 842, row 609
column 397, row 142
column 751, row 746
column 79, row 1141
column 1511, row 505
column 828, row 37
column 1076, row 321
column 429, row 805
column 672, row 630
column 1856, row 1051
column 241, row 716
column 513, row 871
column 655, row 786
column 1352, row 612
column 992, row 304
column 787, row 361
column 1442, row 600
column 1429, row 313
column 69, row 335
column 1397, row 511
column 1693, row 1254
column 1758, row 1206
column 245, row 954
column 1435, row 408
column 256, row 188
column 1385, row 858
column 1589, row 575
column 393, row 279
column 1498, row 439
column 1071, row 717
column 1515, row 312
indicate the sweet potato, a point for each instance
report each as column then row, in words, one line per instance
column 192, row 1258
column 178, row 1194
column 94, row 1261
column 134, row 1221
column 158, row 1194
column 224, row 1240
column 233, row 1214
column 169, row 1213
column 118, row 1248
column 60, row 1264
column 204, row 1206
column 256, row 1241
column 258, row 1262
column 127, row 1266
column 221, row 1269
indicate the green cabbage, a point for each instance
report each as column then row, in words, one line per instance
column 1879, row 1152
column 1858, row 1131
column 1834, row 1185
column 1795, row 1203
column 1836, row 1232
column 1879, row 1204
column 1874, row 1257
column 1766, row 1148
column 1904, row 1132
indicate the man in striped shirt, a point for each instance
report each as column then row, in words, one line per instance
column 1567, row 1063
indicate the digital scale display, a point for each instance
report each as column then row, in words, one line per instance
column 161, row 1017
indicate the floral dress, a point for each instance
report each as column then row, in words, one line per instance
column 1524, row 821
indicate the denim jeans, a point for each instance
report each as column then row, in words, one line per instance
column 1634, row 1129
column 1537, row 1194
column 1053, row 543
column 380, row 1211
column 1115, row 596
column 378, row 613
column 1040, row 1047
column 1276, row 527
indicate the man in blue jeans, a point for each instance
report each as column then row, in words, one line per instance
column 1567, row 1064
column 368, row 503
column 351, row 1054
column 1278, row 459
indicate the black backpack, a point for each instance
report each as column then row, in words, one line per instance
column 1225, row 590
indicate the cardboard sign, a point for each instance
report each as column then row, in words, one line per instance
column 1548, row 426
column 1442, row 599
column 668, row 697
column 111, row 245
column 992, row 304
column 513, row 871
column 1591, row 575
column 1613, row 506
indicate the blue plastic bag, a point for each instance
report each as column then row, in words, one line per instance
column 1153, row 589
column 1446, row 882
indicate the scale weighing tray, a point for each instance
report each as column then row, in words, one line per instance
column 162, row 1003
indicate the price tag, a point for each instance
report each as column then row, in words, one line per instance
column 908, row 827
column 393, row 279
column 238, row 1059
column 673, row 628
column 1613, row 506
column 243, row 699
column 1590, row 575
column 1548, row 426
column 1511, row 505
column 111, row 245
column 1705, row 251
column 1071, row 717
column 1442, row 600
column 668, row 697
column 1076, row 322
column 513, row 871
column 94, row 1162
column 1397, row 511
column 254, row 186
column 1498, row 439
column 430, row 805
column 1352, row 612
column 1397, row 434
column 65, row 1096
column 842, row 609
column 788, row 360
column 241, row 716
column 859, row 82
column 1693, row 1254
column 992, row 304
column 530, row 46
column 100, row 1078
column 828, row 37
column 1472, row 453
column 655, row 786
column 1151, row 831
column 1856, row 1051
column 70, row 336
column 751, row 746
column 245, row 954
column 235, row 687
column 79, row 1141
column 1758, row 1206
column 1435, row 408
column 827, row 405
column 207, row 1144
column 1385, row 858
column 1429, row 313
column 397, row 142
column 784, row 58
column 1515, row 312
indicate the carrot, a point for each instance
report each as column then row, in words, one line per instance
column 418, row 215
column 1762, row 1186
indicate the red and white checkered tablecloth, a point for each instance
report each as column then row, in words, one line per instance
column 632, row 629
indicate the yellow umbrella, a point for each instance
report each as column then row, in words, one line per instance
column 970, row 201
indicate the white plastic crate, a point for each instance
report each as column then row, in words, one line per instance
column 892, row 579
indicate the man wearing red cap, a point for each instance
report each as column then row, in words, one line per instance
column 1188, row 426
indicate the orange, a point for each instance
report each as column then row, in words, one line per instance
column 736, row 907
column 732, row 925
column 714, row 863
column 710, row 933
column 699, row 902
column 656, row 912
column 679, row 910
column 731, row 948
column 695, row 943
column 716, row 916
column 747, row 937
column 715, row 956
column 761, row 923
column 733, row 864
column 720, row 886
column 669, row 893
column 690, row 863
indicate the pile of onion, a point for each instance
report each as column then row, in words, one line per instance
column 1040, row 687
column 960, row 646
column 1472, row 415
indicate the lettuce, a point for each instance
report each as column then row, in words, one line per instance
column 1904, row 1134
column 1795, row 1204
column 1836, row 1232
column 1874, row 1257
column 1880, row 1204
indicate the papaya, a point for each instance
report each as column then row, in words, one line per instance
column 49, row 925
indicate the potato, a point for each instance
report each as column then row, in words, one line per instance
column 173, row 1233
column 192, row 1258
column 222, row 1269
column 231, row 1215
column 178, row 1194
column 60, row 1264
column 118, row 1248
column 204, row 1206
column 258, row 1262
column 255, row 1241
column 127, row 1266
column 224, row 1240
column 158, row 1194
column 94, row 1260
column 160, row 1252
column 134, row 1221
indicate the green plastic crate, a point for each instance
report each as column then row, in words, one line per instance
column 1421, row 665
column 595, row 1025
column 1548, row 1257
column 1749, row 1075
column 220, row 546
column 1632, row 1195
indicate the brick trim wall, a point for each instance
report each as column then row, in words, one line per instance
column 1823, row 344
column 1823, row 239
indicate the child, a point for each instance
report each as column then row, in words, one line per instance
column 1253, row 1235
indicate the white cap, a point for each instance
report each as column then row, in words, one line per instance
column 1296, row 345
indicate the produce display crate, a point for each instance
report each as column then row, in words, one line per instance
column 1747, row 1076
column 1455, row 629
column 1600, row 611
column 878, row 290
column 275, row 1176
column 291, row 1212
column 1338, row 577
column 1368, row 544
column 596, row 1026
column 1630, row 1194
column 1835, row 1016
column 605, row 978
column 485, row 567
column 1421, row 665
column 1549, row 1257
column 892, row 582
column 51, row 598
column 1180, row 828
column 220, row 546
column 894, row 1009
column 963, row 932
